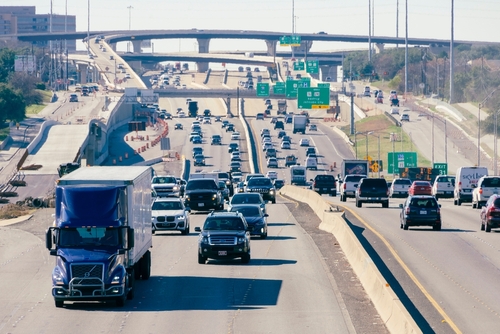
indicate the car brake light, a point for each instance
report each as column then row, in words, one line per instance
column 480, row 190
column 407, row 211
column 345, row 187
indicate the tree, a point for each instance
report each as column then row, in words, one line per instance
column 12, row 105
column 7, row 57
column 26, row 84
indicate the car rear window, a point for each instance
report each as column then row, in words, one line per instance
column 354, row 178
column 491, row 182
column 446, row 179
column 402, row 181
column 325, row 178
column 424, row 202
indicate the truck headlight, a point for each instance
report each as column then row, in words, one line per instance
column 271, row 192
column 241, row 240
column 187, row 197
column 228, row 182
column 57, row 277
column 175, row 188
column 117, row 279
column 214, row 196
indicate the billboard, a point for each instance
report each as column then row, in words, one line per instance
column 24, row 63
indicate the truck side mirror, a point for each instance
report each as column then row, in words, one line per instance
column 130, row 239
column 48, row 238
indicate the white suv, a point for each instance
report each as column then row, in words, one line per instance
column 349, row 186
column 443, row 186
column 399, row 187
column 486, row 186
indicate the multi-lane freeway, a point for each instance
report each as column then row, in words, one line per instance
column 445, row 279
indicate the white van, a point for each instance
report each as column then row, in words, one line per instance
column 311, row 163
column 367, row 91
column 465, row 182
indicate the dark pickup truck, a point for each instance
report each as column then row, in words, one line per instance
column 325, row 184
column 372, row 190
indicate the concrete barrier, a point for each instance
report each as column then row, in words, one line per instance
column 41, row 133
column 391, row 310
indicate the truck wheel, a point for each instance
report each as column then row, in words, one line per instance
column 221, row 207
column 459, row 202
column 131, row 285
column 343, row 198
column 405, row 226
column 137, row 269
column 274, row 200
column 454, row 202
column 245, row 258
column 59, row 303
column 487, row 227
column 474, row 205
column 385, row 204
column 146, row 266
column 482, row 226
column 358, row 204
column 437, row 227
column 185, row 231
column 201, row 259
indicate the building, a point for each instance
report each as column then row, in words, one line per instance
column 23, row 19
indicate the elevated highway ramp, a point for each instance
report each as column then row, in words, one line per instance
column 59, row 144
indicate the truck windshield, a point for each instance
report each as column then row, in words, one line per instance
column 298, row 172
column 161, row 179
column 201, row 184
column 99, row 236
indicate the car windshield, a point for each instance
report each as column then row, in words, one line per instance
column 164, row 179
column 248, row 211
column 170, row 205
column 298, row 172
column 224, row 224
column 259, row 181
column 99, row 236
column 201, row 184
column 245, row 198
column 423, row 202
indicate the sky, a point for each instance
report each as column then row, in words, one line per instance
column 475, row 20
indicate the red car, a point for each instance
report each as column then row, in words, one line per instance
column 490, row 213
column 420, row 188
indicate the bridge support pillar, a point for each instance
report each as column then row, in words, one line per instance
column 203, row 47
column 136, row 44
column 379, row 47
column 82, row 72
column 112, row 46
column 328, row 71
column 271, row 48
column 228, row 103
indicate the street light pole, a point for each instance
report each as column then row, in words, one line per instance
column 88, row 27
column 432, row 135
column 130, row 25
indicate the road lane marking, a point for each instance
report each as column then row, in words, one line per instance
column 412, row 276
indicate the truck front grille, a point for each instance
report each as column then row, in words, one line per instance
column 87, row 274
column 222, row 240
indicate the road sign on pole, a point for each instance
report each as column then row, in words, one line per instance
column 262, row 89
column 279, row 88
column 291, row 88
column 313, row 98
column 442, row 167
column 324, row 85
column 285, row 41
column 298, row 66
column 398, row 160
column 295, row 40
column 312, row 66
column 305, row 82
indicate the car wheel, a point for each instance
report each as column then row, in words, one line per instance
column 245, row 258
column 342, row 198
column 385, row 204
column 474, row 205
column 221, row 207
column 479, row 205
column 459, row 202
column 400, row 225
column 59, row 303
column 487, row 227
column 359, row 204
column 482, row 226
column 436, row 227
column 274, row 200
column 454, row 202
column 405, row 226
column 263, row 236
column 201, row 259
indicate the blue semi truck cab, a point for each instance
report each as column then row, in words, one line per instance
column 101, row 234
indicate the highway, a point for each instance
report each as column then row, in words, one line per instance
column 449, row 281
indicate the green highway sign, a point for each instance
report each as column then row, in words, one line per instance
column 295, row 40
column 262, row 89
column 305, row 82
column 279, row 88
column 324, row 85
column 313, row 98
column 442, row 167
column 298, row 66
column 312, row 66
column 285, row 41
column 291, row 88
column 400, row 160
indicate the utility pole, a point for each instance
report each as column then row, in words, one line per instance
column 88, row 27
column 369, row 31
column 130, row 26
column 397, row 21
column 406, row 50
column 452, row 100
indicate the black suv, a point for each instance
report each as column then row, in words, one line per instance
column 372, row 190
column 263, row 186
column 279, row 125
column 225, row 235
column 420, row 210
column 325, row 184
column 203, row 195
column 216, row 140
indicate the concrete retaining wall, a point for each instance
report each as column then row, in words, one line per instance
column 40, row 135
column 391, row 310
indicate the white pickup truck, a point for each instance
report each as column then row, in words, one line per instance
column 349, row 186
